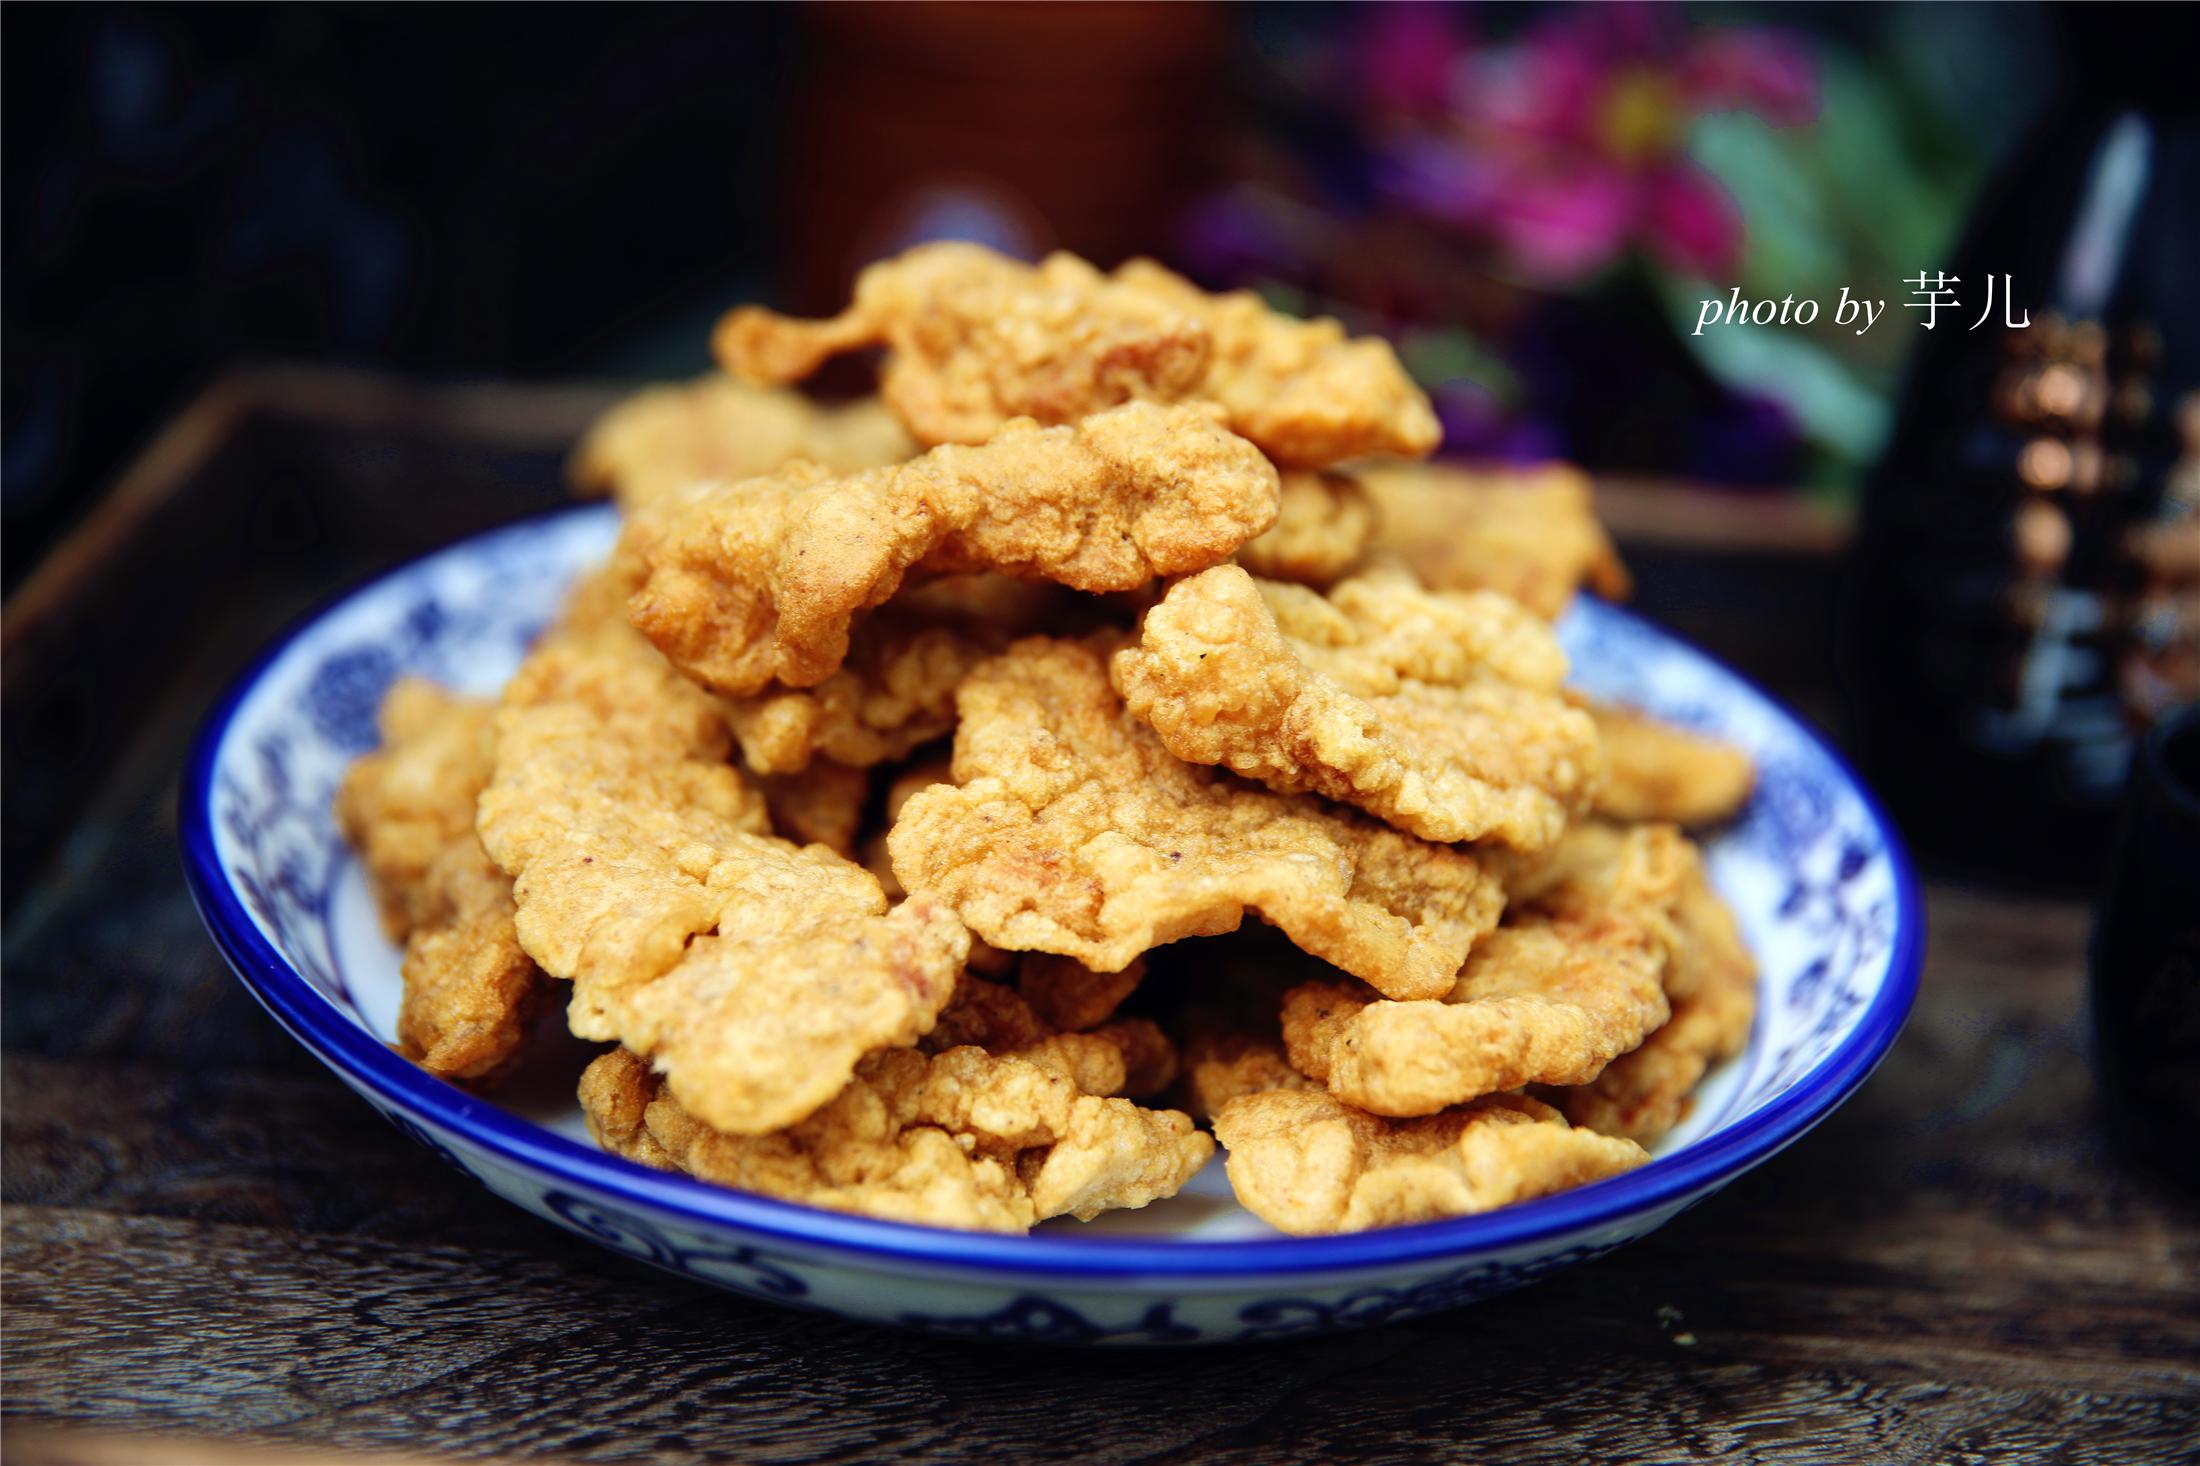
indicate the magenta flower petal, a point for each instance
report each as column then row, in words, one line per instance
column 1764, row 72
column 1405, row 56
column 1543, row 90
column 1691, row 223
column 1561, row 227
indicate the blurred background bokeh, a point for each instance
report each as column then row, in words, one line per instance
column 1530, row 199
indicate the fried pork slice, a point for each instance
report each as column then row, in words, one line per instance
column 1307, row 1163
column 753, row 972
column 871, row 849
column 1547, row 1000
column 1221, row 1063
column 1070, row 995
column 1532, row 535
column 1643, row 1095
column 822, row 805
column 469, row 992
column 593, row 659
column 956, row 1139
column 762, row 580
column 1712, row 982
column 410, row 800
column 1437, row 713
column 976, row 339
column 1308, row 394
column 1653, row 870
column 1109, row 1056
column 665, row 439
column 1324, row 525
column 1654, row 771
column 1072, row 830
column 895, row 691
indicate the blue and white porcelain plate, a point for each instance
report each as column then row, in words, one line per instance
column 1813, row 870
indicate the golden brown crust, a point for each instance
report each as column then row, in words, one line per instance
column 1306, row 1163
column 895, row 692
column 1072, row 830
column 1436, row 713
column 1655, row 771
column 1070, row 995
column 1220, row 1063
column 1130, row 1056
column 1532, row 535
column 976, row 339
column 1712, row 980
column 1652, row 870
column 762, row 580
column 822, row 805
column 1541, row 1000
column 469, row 991
column 956, row 1139
column 753, row 972
column 1324, row 524
column 403, row 805
column 664, row 439
column 1301, row 389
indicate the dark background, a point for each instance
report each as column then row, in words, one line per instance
column 559, row 191
column 516, row 190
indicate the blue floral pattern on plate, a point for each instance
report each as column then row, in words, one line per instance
column 1812, row 868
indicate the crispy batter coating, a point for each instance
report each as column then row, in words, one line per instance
column 1324, row 525
column 822, row 805
column 1712, row 980
column 651, row 446
column 1307, row 1164
column 956, row 1139
column 469, row 992
column 1301, row 389
column 1654, row 771
column 594, row 659
column 1220, row 1063
column 760, row 580
column 976, row 339
column 1433, row 712
column 1653, row 870
column 1533, row 535
column 407, row 802
column 753, row 972
column 1150, row 1059
column 1070, row 995
column 1128, row 1056
column 1542, row 1000
column 987, row 1015
column 872, row 850
column 895, row 691
column 1074, row 831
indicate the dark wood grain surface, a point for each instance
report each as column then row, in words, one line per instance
column 208, row 1237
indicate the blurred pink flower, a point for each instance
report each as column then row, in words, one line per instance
column 1567, row 147
column 1405, row 54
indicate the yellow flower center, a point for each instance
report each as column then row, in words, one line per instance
column 1641, row 116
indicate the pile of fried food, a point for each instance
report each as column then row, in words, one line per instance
column 895, row 796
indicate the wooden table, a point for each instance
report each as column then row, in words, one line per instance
column 205, row 1235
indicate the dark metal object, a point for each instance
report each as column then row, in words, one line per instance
column 2146, row 959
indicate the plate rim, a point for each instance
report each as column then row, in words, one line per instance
column 356, row 1056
